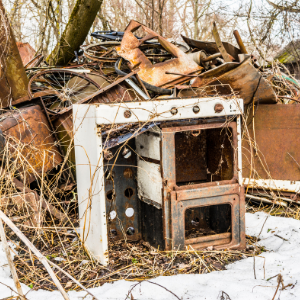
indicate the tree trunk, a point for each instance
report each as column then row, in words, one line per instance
column 13, row 78
column 80, row 22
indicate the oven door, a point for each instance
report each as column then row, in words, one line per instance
column 203, row 204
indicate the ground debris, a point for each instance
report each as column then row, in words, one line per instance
column 129, row 261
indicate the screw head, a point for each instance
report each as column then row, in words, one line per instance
column 127, row 113
column 196, row 109
column 174, row 111
column 219, row 108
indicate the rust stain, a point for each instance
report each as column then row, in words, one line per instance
column 30, row 139
column 27, row 53
column 276, row 155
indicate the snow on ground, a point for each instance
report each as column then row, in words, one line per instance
column 281, row 236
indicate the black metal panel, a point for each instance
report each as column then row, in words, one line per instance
column 121, row 194
column 152, row 225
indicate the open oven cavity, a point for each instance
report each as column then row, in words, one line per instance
column 204, row 155
column 207, row 220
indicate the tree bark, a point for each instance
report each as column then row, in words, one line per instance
column 80, row 22
column 13, row 78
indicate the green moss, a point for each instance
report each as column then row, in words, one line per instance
column 284, row 57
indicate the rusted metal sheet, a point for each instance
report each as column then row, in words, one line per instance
column 242, row 79
column 27, row 53
column 30, row 141
column 155, row 74
column 212, row 48
column 225, row 55
column 275, row 130
column 204, row 196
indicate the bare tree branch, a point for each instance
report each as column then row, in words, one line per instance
column 285, row 8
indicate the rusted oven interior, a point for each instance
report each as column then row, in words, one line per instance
column 176, row 185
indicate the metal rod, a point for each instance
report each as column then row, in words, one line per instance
column 137, row 89
column 179, row 74
column 212, row 57
column 240, row 42
column 266, row 200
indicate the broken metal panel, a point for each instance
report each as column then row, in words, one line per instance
column 149, row 177
column 152, row 225
column 285, row 186
column 242, row 79
column 90, row 182
column 30, row 140
column 225, row 55
column 5, row 93
column 114, row 92
column 275, row 153
column 124, row 135
column 148, row 144
column 149, row 182
column 155, row 74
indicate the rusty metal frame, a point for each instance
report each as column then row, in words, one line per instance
column 176, row 200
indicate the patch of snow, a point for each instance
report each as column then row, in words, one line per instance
column 5, row 275
column 280, row 236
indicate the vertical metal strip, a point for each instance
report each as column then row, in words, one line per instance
column 239, row 150
column 169, row 179
column 90, row 182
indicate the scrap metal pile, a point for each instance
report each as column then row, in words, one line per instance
column 38, row 178
column 134, row 65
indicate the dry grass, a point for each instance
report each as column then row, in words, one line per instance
column 60, row 243
column 129, row 261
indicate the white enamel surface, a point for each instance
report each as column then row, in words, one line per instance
column 149, row 181
column 278, row 185
column 129, row 212
column 148, row 145
column 90, row 182
column 160, row 110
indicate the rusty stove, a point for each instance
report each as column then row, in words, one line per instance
column 165, row 171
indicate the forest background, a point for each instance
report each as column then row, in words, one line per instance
column 265, row 26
